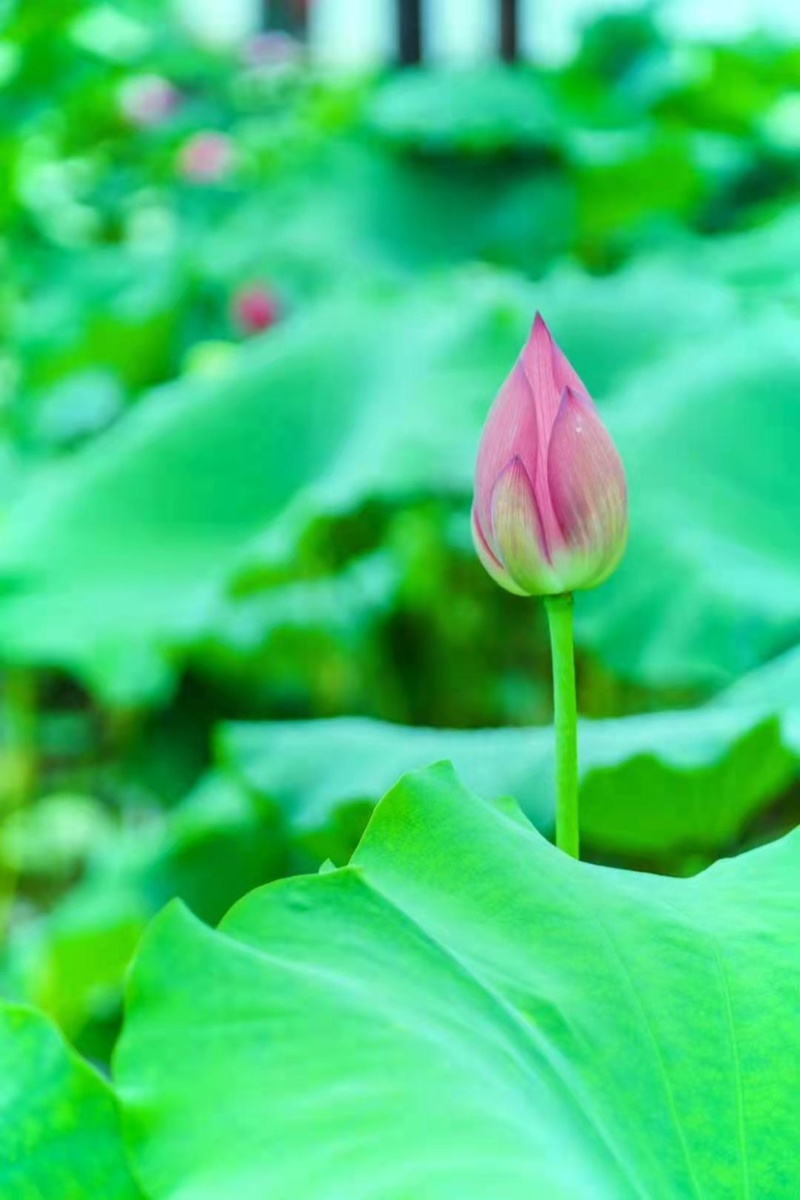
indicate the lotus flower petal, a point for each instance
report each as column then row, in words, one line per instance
column 587, row 487
column 510, row 432
column 491, row 564
column 548, row 373
column 517, row 531
column 550, row 510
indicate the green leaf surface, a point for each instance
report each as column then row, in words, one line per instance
column 614, row 327
column 465, row 1011
column 104, row 310
column 710, row 586
column 395, row 215
column 491, row 110
column 114, row 562
column 776, row 684
column 59, row 1125
column 119, row 555
column 755, row 258
column 71, row 959
column 657, row 786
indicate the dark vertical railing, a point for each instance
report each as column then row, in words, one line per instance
column 300, row 18
column 409, row 32
column 509, row 30
column 290, row 16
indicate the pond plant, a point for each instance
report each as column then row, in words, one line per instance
column 550, row 516
column 329, row 870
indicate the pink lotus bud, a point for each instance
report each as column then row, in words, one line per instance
column 207, row 157
column 255, row 309
column 550, row 512
column 265, row 51
column 147, row 100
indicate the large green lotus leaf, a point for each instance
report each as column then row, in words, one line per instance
column 754, row 258
column 209, row 850
column 465, row 1011
column 101, row 310
column 493, row 109
column 658, row 786
column 118, row 555
column 613, row 326
column 311, row 646
column 114, row 560
column 394, row 215
column 735, row 88
column 776, row 684
column 59, row 1124
column 710, row 585
column 615, row 173
column 70, row 960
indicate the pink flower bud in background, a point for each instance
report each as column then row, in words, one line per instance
column 207, row 157
column 266, row 51
column 255, row 309
column 147, row 100
column 550, row 512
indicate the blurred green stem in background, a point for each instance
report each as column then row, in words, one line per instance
column 18, row 764
column 559, row 616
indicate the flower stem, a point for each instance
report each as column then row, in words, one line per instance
column 18, row 767
column 559, row 616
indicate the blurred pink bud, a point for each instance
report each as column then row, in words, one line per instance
column 207, row 157
column 255, row 309
column 550, row 512
column 147, row 100
column 272, row 49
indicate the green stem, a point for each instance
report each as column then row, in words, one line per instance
column 18, row 727
column 559, row 616
column 18, row 767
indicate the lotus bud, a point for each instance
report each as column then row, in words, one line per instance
column 254, row 309
column 550, row 513
column 207, row 157
column 271, row 51
column 147, row 100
